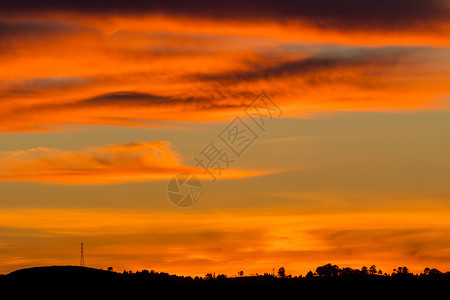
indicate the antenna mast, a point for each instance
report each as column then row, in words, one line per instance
column 82, row 256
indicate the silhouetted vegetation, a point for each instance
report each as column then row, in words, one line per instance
column 328, row 278
column 325, row 272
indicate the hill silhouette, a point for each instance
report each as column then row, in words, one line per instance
column 62, row 273
column 325, row 272
column 327, row 279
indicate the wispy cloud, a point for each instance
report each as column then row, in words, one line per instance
column 113, row 163
column 346, row 15
column 79, row 64
column 191, row 89
column 131, row 162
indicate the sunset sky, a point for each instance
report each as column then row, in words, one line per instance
column 103, row 102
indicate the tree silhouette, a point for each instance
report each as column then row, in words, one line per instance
column 347, row 271
column 434, row 273
column 281, row 272
column 402, row 270
column 310, row 274
column 364, row 270
column 327, row 270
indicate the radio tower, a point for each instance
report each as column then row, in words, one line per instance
column 82, row 256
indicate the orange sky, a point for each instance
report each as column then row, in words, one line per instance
column 102, row 104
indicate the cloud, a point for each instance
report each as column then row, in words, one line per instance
column 38, row 30
column 129, row 108
column 330, row 78
column 131, row 162
column 65, row 66
column 129, row 98
column 113, row 163
column 45, row 84
column 351, row 21
column 265, row 69
column 324, row 13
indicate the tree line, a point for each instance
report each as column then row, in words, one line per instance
column 327, row 271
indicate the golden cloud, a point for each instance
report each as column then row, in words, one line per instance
column 131, row 162
column 125, row 70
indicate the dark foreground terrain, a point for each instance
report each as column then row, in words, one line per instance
column 77, row 279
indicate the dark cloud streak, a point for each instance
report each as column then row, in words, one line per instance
column 131, row 98
column 343, row 14
column 379, row 57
